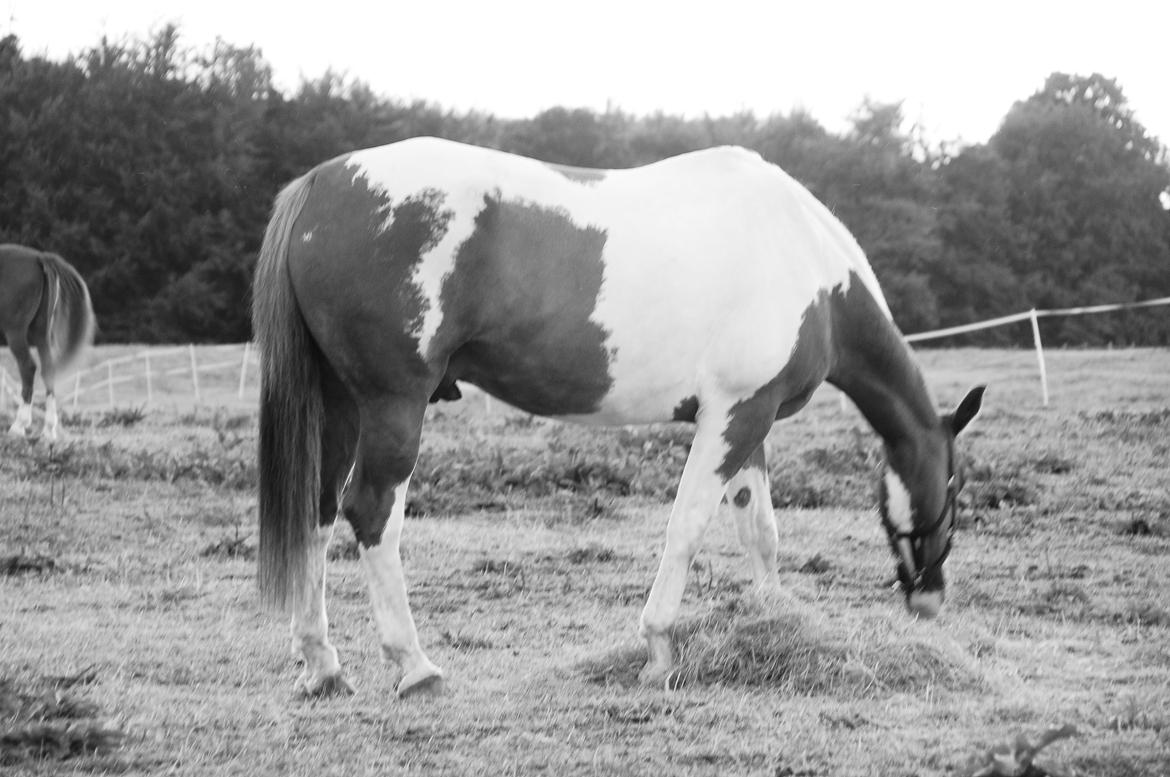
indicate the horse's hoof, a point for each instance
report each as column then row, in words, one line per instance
column 323, row 687
column 426, row 678
column 658, row 676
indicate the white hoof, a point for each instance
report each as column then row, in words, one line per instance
column 658, row 676
column 426, row 677
column 23, row 421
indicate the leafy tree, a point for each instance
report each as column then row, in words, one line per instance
column 153, row 168
column 1084, row 185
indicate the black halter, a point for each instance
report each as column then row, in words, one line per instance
column 921, row 532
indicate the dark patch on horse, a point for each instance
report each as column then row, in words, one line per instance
column 517, row 307
column 686, row 410
column 585, row 175
column 808, row 364
column 743, row 497
column 354, row 236
column 871, row 360
column 447, row 391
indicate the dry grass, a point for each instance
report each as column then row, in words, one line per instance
column 129, row 547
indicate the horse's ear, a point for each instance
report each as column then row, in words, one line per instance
column 966, row 410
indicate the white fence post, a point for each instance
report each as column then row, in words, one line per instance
column 194, row 373
column 149, row 381
column 110, row 382
column 76, row 390
column 244, row 369
column 1039, row 356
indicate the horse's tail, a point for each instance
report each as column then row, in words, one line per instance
column 291, row 410
column 69, row 311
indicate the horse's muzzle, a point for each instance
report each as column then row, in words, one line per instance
column 925, row 604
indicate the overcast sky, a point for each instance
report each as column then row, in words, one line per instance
column 958, row 66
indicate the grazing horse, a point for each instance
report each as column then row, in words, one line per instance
column 709, row 288
column 44, row 304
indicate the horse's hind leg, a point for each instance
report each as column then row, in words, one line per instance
column 375, row 505
column 310, row 626
column 749, row 500
column 18, row 343
column 49, row 378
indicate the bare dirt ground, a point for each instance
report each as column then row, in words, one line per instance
column 131, row 641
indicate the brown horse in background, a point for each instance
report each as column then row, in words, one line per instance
column 44, row 304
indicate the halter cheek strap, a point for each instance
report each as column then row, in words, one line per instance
column 921, row 532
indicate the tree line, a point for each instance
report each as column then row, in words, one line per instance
column 152, row 167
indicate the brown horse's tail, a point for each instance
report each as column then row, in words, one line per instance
column 291, row 412
column 69, row 316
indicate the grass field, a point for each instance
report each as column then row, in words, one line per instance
column 131, row 642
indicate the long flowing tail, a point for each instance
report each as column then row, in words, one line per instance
column 71, row 321
column 290, row 414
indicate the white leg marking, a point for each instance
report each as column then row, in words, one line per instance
column 750, row 502
column 698, row 497
column 52, row 420
column 387, row 585
column 310, row 627
column 23, row 420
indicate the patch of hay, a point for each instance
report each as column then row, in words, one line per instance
column 43, row 722
column 619, row 666
column 22, row 564
column 786, row 647
column 229, row 548
column 58, row 740
column 592, row 554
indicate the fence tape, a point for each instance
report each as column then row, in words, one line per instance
column 251, row 353
column 1002, row 320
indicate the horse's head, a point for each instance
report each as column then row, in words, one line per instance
column 919, row 502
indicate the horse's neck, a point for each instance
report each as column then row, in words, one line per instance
column 874, row 367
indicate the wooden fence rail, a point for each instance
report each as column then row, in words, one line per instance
column 147, row 365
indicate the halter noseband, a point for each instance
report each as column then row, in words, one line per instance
column 921, row 532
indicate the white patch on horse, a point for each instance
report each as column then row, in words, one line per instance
column 307, row 237
column 705, row 288
column 898, row 508
column 711, row 259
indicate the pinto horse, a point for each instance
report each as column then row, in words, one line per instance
column 708, row 288
column 44, row 304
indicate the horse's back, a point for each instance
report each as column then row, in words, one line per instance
column 616, row 294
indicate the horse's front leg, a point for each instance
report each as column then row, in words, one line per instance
column 749, row 501
column 699, row 491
